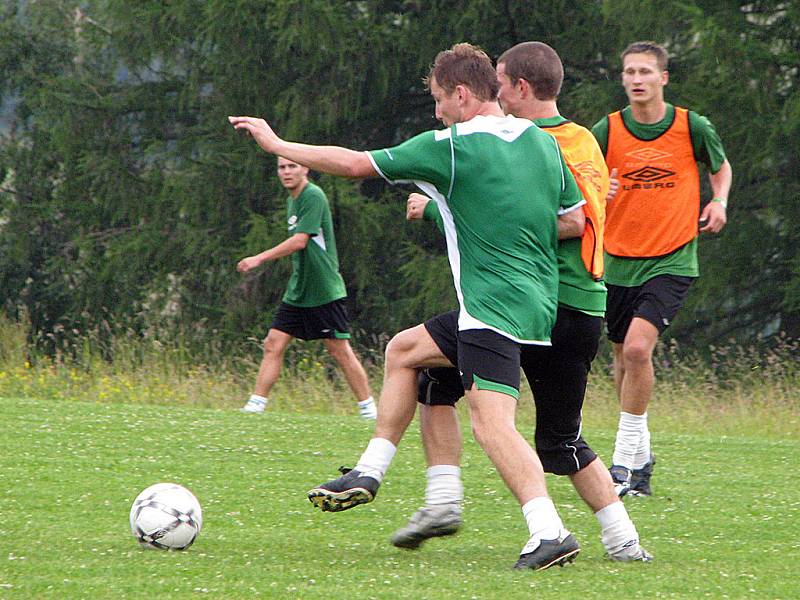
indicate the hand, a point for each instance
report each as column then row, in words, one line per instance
column 415, row 206
column 247, row 264
column 613, row 186
column 260, row 130
column 714, row 216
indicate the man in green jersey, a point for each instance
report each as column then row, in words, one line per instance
column 651, row 237
column 313, row 305
column 530, row 75
column 501, row 231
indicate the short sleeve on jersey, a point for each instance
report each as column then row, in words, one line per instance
column 600, row 133
column 426, row 157
column 705, row 139
column 310, row 211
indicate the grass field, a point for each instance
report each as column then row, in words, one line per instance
column 724, row 523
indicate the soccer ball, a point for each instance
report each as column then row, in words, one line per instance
column 166, row 516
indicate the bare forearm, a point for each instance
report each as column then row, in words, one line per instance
column 285, row 248
column 571, row 224
column 721, row 180
column 327, row 159
column 297, row 242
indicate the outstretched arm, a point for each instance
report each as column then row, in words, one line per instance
column 327, row 159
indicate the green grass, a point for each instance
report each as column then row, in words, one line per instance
column 724, row 523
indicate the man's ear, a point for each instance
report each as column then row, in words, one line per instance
column 524, row 87
column 463, row 94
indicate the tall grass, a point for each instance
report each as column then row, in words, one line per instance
column 146, row 369
column 729, row 389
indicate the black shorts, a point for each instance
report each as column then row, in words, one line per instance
column 657, row 301
column 485, row 358
column 557, row 375
column 328, row 321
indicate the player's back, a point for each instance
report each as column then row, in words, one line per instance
column 508, row 184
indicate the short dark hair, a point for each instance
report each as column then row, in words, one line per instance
column 538, row 64
column 657, row 50
column 467, row 65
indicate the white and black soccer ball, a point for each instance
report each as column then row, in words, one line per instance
column 166, row 516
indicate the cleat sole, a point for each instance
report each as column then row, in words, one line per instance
column 328, row 501
column 566, row 559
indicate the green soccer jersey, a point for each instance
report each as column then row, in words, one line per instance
column 576, row 288
column 315, row 276
column 632, row 272
column 499, row 183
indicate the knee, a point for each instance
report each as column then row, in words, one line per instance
column 398, row 349
column 271, row 347
column 340, row 352
column 484, row 428
column 637, row 353
column 479, row 431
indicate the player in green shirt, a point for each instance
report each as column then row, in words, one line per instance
column 651, row 237
column 313, row 305
column 530, row 75
column 501, row 232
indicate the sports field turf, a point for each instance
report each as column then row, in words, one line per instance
column 724, row 523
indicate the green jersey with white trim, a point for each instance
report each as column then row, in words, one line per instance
column 315, row 276
column 499, row 183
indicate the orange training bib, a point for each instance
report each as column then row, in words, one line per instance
column 587, row 164
column 658, row 204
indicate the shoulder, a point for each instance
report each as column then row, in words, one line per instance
column 425, row 139
column 601, row 127
column 507, row 127
column 698, row 121
column 602, row 121
column 579, row 131
column 312, row 193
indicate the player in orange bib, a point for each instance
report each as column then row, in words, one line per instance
column 651, row 237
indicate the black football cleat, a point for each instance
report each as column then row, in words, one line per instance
column 640, row 479
column 549, row 553
column 349, row 490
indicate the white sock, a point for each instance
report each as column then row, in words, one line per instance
column 367, row 408
column 643, row 454
column 444, row 485
column 543, row 522
column 617, row 529
column 376, row 458
column 629, row 438
column 258, row 398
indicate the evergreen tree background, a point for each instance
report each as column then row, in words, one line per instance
column 126, row 199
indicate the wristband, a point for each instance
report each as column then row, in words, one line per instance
column 723, row 201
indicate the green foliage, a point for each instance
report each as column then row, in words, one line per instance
column 125, row 197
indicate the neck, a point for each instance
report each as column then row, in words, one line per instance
column 485, row 109
column 539, row 109
column 296, row 191
column 649, row 112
